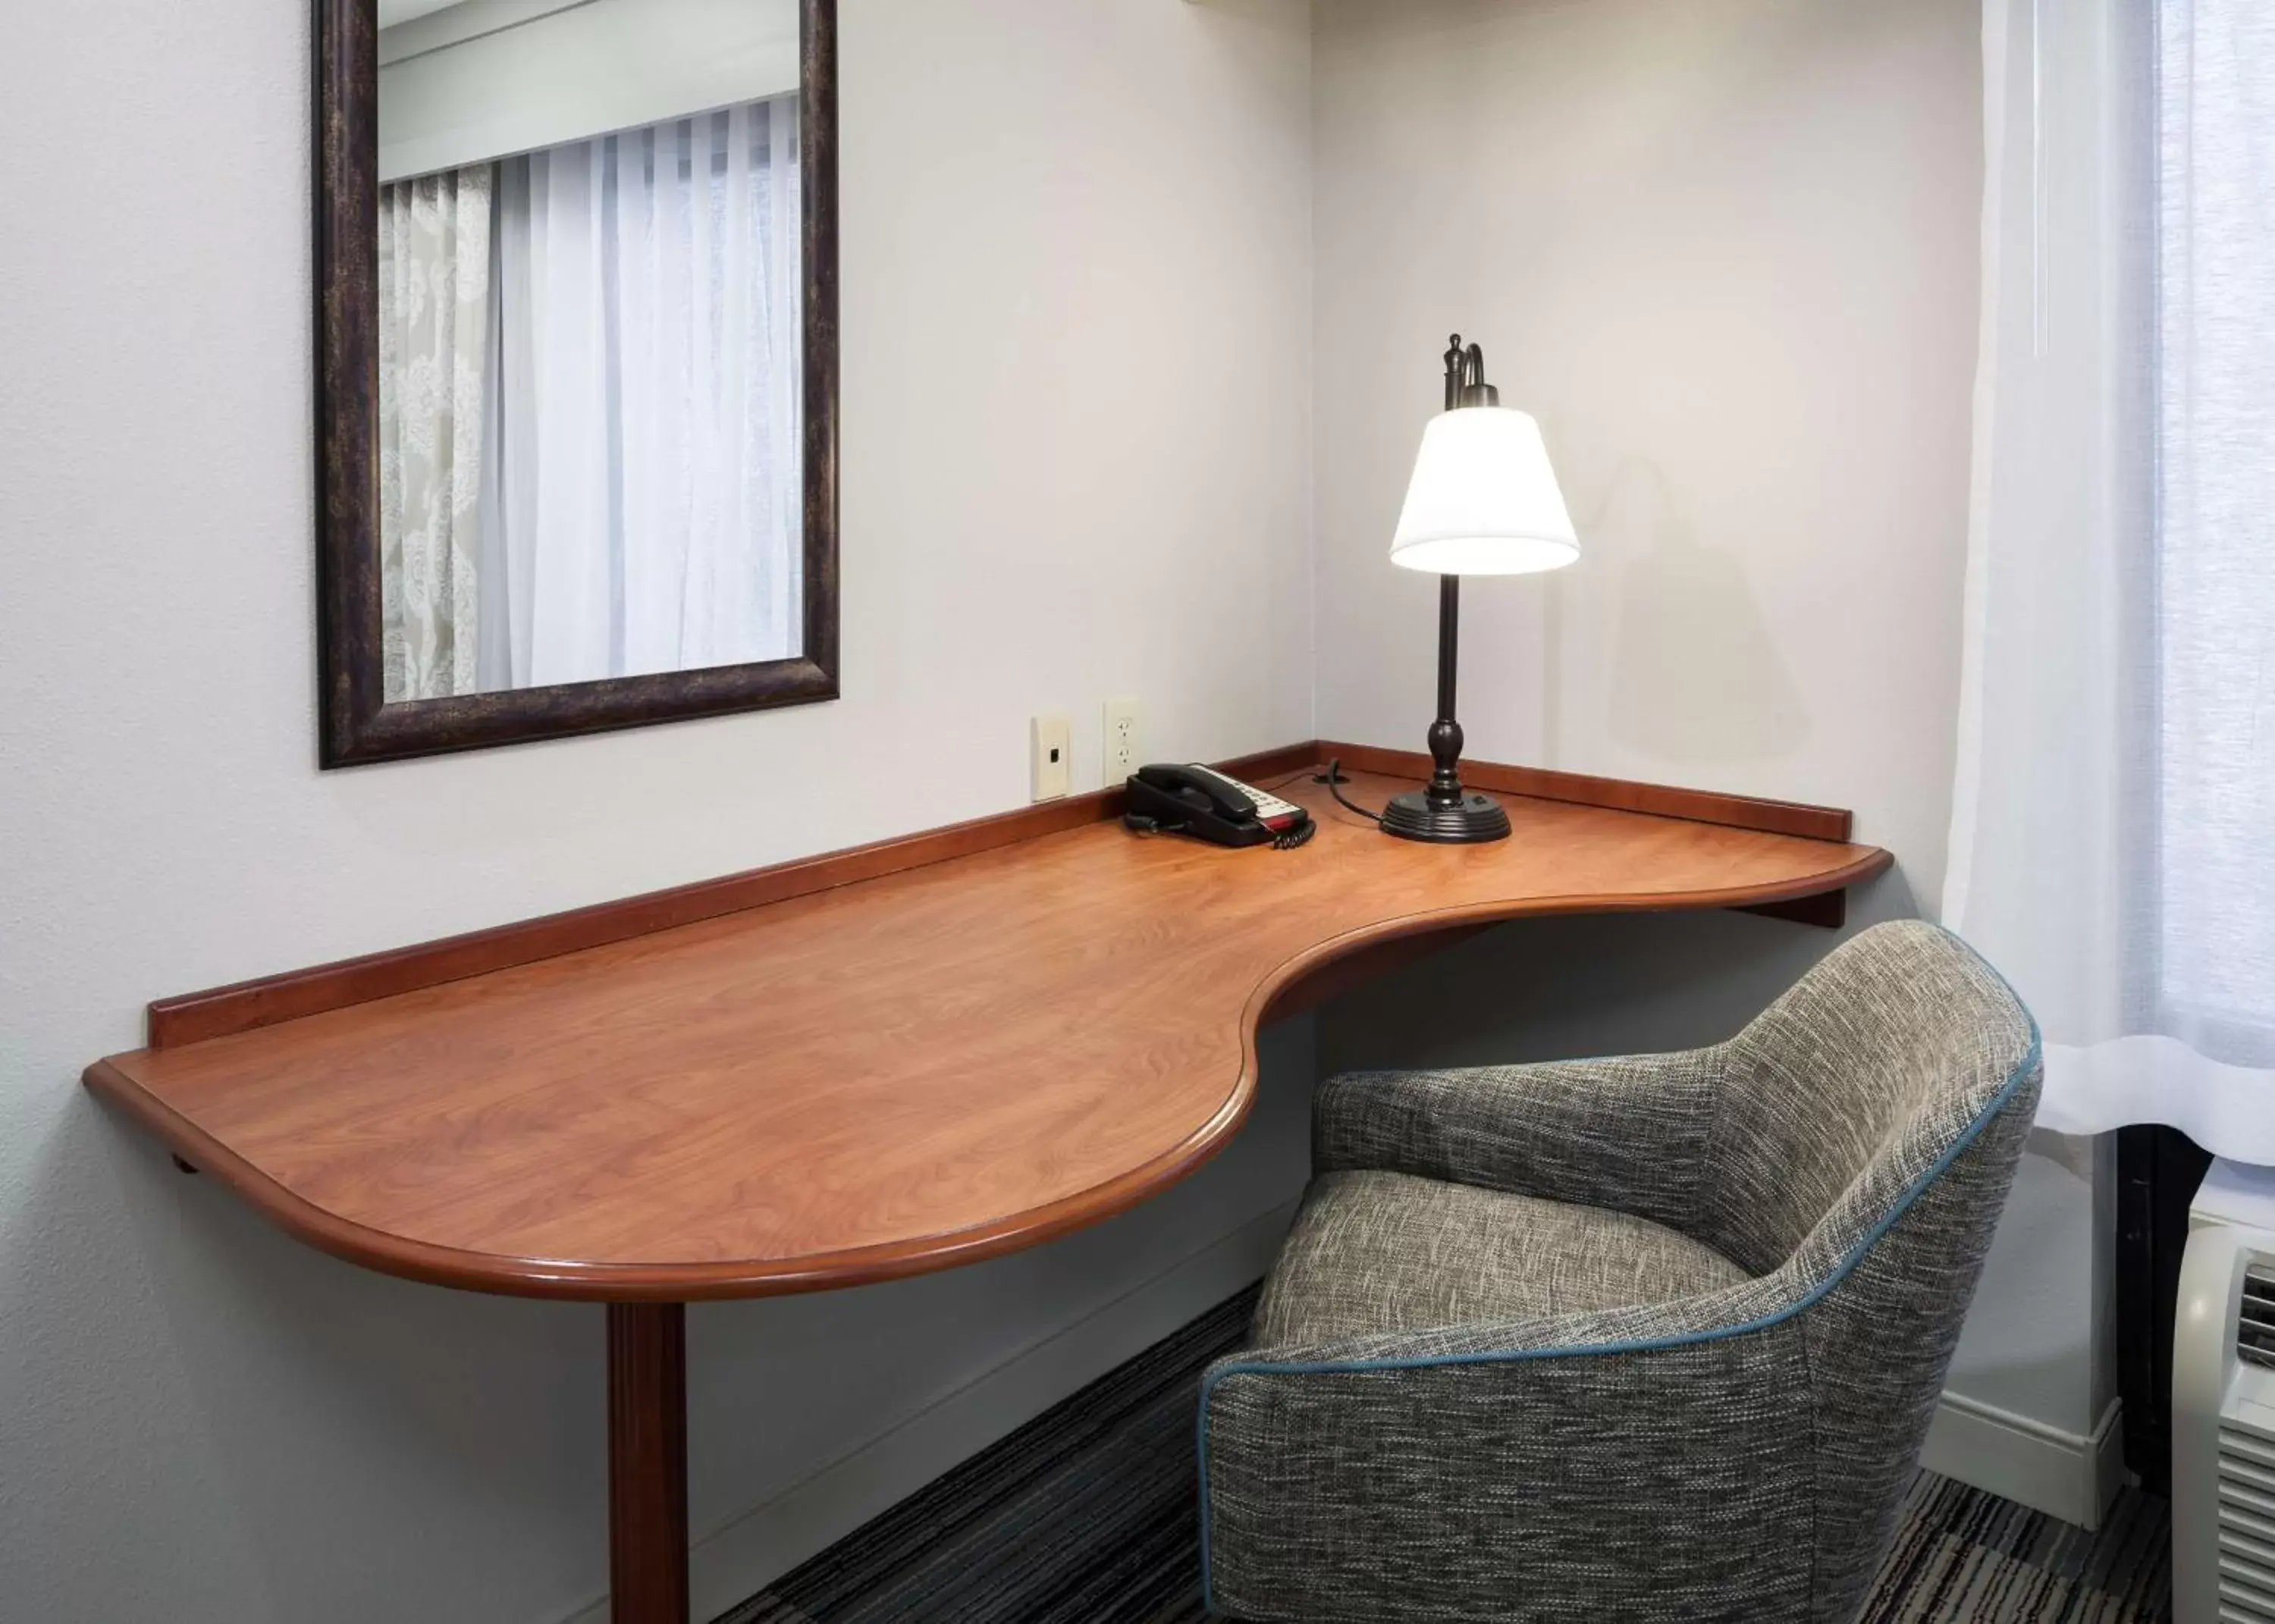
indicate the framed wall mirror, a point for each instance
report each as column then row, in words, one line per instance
column 577, row 351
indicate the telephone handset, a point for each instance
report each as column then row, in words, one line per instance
column 1192, row 799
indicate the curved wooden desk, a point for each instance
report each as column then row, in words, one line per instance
column 920, row 1068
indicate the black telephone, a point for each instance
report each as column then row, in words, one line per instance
column 1197, row 801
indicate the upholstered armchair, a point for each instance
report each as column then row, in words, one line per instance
column 1654, row 1338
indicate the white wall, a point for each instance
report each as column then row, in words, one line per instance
column 1059, row 486
column 1728, row 251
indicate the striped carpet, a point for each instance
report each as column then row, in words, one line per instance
column 1960, row 1553
column 1085, row 1515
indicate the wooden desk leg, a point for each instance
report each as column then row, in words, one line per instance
column 647, row 1462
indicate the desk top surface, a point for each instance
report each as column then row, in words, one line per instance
column 911, row 1072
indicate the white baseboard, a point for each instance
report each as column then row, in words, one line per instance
column 738, row 1560
column 2027, row 1461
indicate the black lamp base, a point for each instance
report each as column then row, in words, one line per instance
column 1473, row 819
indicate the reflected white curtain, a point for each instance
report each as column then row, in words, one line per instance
column 2113, row 823
column 647, row 508
column 434, row 339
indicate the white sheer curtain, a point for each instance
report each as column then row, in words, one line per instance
column 648, row 505
column 2216, row 508
column 2114, row 822
column 434, row 353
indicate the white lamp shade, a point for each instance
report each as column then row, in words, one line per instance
column 1484, row 500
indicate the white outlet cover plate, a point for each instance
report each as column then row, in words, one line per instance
column 1125, row 740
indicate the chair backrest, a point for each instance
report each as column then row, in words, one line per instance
column 1869, row 1127
column 1841, row 1094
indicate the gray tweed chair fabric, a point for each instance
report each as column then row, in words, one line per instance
column 1637, row 1339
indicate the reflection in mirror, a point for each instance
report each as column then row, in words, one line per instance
column 590, row 341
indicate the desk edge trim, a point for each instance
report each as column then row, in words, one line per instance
column 682, row 1282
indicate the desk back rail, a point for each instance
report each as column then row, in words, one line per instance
column 269, row 1000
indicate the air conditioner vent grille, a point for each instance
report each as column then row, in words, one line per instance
column 2254, row 1319
column 2247, row 1533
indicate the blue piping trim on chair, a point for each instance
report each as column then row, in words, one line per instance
column 1839, row 1272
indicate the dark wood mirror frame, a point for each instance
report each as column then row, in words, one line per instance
column 357, row 726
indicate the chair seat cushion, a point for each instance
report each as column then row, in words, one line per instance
column 1374, row 1252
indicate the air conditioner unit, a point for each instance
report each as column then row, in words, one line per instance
column 2224, row 1404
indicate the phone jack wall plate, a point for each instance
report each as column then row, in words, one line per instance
column 1050, row 752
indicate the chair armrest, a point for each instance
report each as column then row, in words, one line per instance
column 1628, row 1133
column 1626, row 1463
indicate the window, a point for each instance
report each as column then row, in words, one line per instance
column 590, row 406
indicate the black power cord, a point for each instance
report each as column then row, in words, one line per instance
column 1334, row 780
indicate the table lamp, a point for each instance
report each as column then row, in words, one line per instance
column 1484, row 500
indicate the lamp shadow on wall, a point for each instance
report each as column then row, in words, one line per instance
column 1696, row 675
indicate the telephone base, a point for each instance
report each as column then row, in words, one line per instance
column 1473, row 819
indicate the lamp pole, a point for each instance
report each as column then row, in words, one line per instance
column 1446, row 733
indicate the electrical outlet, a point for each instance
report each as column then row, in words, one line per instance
column 1052, row 760
column 1124, row 740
